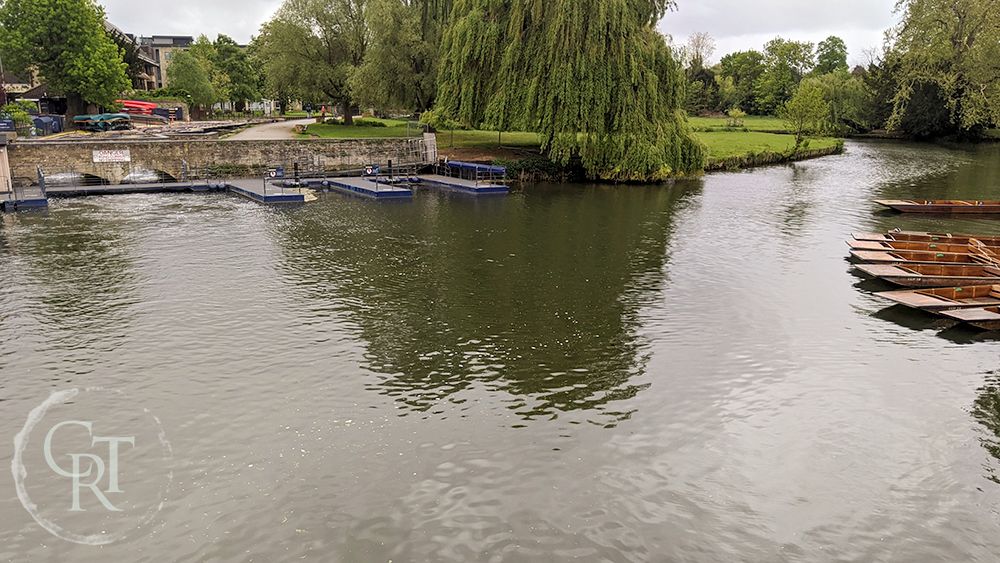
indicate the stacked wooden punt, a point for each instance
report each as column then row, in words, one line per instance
column 953, row 275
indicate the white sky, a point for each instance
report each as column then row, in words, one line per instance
column 736, row 25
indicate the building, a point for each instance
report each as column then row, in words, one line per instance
column 15, row 84
column 140, row 59
column 161, row 49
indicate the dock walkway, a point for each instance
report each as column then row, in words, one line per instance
column 463, row 185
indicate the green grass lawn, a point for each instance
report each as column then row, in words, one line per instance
column 487, row 139
column 752, row 122
column 720, row 144
column 393, row 128
column 725, row 144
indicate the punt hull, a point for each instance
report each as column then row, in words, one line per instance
column 966, row 208
column 918, row 236
column 925, row 300
column 930, row 258
column 904, row 278
column 982, row 318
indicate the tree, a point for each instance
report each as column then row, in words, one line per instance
column 831, row 56
column 190, row 73
column 951, row 46
column 400, row 64
column 848, row 100
column 593, row 77
column 702, row 87
column 785, row 64
column 806, row 112
column 231, row 61
column 65, row 41
column 744, row 68
column 315, row 46
column 699, row 49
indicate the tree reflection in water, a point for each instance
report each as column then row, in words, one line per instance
column 534, row 295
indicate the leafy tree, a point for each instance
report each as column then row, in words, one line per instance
column 744, row 68
column 785, row 64
column 702, row 87
column 951, row 46
column 314, row 47
column 66, row 42
column 848, row 99
column 231, row 61
column 400, row 64
column 190, row 73
column 831, row 56
column 806, row 112
column 558, row 67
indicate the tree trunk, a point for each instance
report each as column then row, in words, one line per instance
column 74, row 106
column 348, row 113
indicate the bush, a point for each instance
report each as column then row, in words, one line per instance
column 359, row 122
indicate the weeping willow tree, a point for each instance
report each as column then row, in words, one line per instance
column 593, row 77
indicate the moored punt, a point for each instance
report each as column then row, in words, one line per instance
column 943, row 298
column 932, row 275
column 915, row 257
column 941, row 206
column 986, row 318
column 915, row 246
column 917, row 236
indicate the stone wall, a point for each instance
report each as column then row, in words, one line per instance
column 207, row 158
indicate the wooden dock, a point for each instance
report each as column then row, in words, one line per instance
column 463, row 185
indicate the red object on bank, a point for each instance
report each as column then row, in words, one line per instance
column 135, row 106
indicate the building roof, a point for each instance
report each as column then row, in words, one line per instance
column 168, row 40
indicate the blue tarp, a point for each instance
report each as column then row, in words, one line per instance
column 478, row 167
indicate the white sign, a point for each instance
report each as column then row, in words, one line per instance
column 112, row 155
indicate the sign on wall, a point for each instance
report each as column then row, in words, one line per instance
column 112, row 155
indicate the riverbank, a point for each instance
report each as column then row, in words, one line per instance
column 759, row 143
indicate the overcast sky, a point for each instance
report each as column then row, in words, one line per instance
column 735, row 24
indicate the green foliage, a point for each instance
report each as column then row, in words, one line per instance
column 400, row 64
column 438, row 120
column 744, row 69
column 848, row 99
column 192, row 74
column 558, row 68
column 785, row 64
column 66, row 42
column 241, row 78
column 831, row 56
column 357, row 122
column 951, row 46
column 311, row 49
column 736, row 117
column 806, row 113
column 19, row 111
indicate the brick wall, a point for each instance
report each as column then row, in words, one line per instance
column 216, row 157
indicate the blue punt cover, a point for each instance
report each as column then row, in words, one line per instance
column 477, row 167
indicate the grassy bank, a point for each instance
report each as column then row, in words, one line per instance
column 765, row 124
column 727, row 148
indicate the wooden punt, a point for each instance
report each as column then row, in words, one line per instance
column 916, row 257
column 940, row 299
column 986, row 318
column 932, row 275
column 917, row 236
column 962, row 248
column 941, row 206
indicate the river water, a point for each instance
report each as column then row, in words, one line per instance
column 588, row 373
